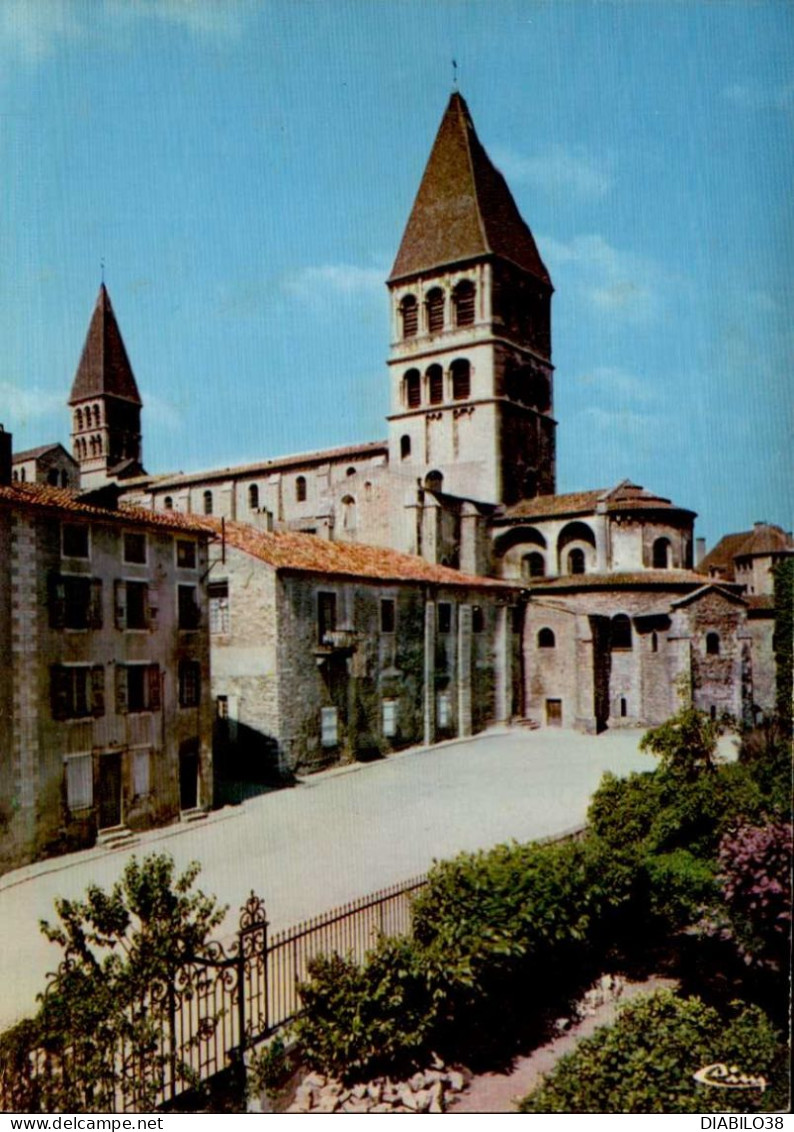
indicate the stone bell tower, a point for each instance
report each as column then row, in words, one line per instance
column 470, row 360
column 105, row 403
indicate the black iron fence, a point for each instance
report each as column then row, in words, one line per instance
column 217, row 1005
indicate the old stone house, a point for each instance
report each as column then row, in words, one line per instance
column 326, row 651
column 106, row 720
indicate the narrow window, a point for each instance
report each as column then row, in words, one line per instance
column 75, row 541
column 189, row 683
column 387, row 615
column 461, row 379
column 534, row 565
column 218, row 593
column 576, row 561
column 477, row 619
column 713, row 644
column 621, row 632
column 713, row 711
column 188, row 612
column 137, row 605
column 185, row 554
column 463, row 298
column 413, row 389
column 623, row 707
column 444, row 617
column 435, row 384
column 222, row 707
column 137, row 688
column 409, row 313
column 434, row 481
column 435, row 310
column 52, row 477
column 329, row 727
column 546, row 639
column 141, row 776
column 654, row 642
column 207, row 502
column 351, row 471
column 389, row 718
column 168, row 503
column 661, row 554
column 326, row 615
column 300, row 489
column 348, row 513
column 405, row 447
column 79, row 782
column 253, row 497
column 443, row 711
column 79, row 420
column 64, row 479
column 134, row 547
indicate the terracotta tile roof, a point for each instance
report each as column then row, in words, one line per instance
column 669, row 579
column 104, row 366
column 60, row 500
column 279, row 463
column 764, row 538
column 463, row 209
column 295, row 551
column 625, row 496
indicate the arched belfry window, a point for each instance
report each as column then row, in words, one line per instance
column 405, row 447
column 546, row 639
column 413, row 389
column 409, row 314
column 461, row 379
column 300, row 489
column 621, row 632
column 253, row 497
column 435, row 310
column 661, row 554
column 435, row 384
column 463, row 298
column 207, row 502
column 79, row 419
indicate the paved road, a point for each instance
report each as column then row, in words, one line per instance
column 336, row 835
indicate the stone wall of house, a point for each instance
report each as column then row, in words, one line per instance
column 761, row 628
column 129, row 760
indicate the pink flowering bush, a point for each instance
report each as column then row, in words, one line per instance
column 755, row 874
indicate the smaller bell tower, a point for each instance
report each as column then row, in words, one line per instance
column 470, row 360
column 105, row 403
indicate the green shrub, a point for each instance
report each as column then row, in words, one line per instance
column 645, row 1062
column 359, row 1021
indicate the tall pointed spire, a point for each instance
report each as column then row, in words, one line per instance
column 104, row 366
column 464, row 209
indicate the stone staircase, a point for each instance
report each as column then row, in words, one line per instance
column 196, row 814
column 527, row 723
column 116, row 837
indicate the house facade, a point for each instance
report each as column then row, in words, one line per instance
column 106, row 725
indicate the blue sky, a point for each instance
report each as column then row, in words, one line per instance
column 245, row 170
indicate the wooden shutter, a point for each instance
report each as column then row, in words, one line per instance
column 57, row 601
column 121, row 605
column 153, row 689
column 121, row 690
column 97, row 690
column 60, row 691
column 95, row 606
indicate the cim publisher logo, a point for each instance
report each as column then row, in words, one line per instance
column 722, row 1076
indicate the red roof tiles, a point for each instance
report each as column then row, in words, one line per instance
column 624, row 497
column 61, row 501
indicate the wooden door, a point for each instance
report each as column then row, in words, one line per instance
column 188, row 776
column 110, row 790
column 554, row 713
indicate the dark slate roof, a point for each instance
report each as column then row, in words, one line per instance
column 764, row 538
column 464, row 209
column 36, row 453
column 104, row 366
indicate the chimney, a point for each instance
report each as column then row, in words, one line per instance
column 5, row 457
column 700, row 550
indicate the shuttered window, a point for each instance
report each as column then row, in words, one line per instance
column 79, row 782
column 389, row 718
column 329, row 727
column 77, row 691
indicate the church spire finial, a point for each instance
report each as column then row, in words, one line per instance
column 102, row 270
column 454, row 74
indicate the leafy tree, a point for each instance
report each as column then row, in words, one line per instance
column 102, row 1017
column 783, row 639
column 686, row 744
column 645, row 1062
